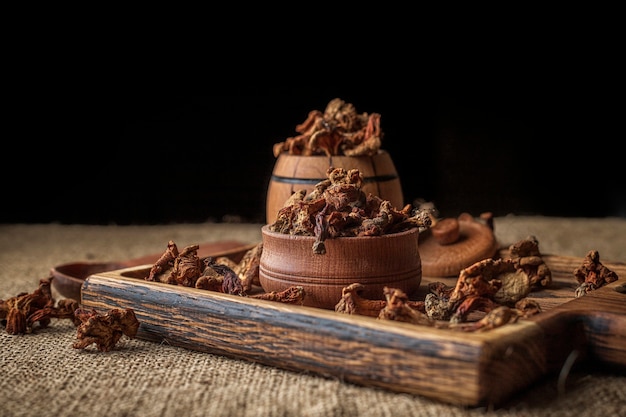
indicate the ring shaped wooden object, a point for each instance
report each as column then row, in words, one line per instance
column 440, row 258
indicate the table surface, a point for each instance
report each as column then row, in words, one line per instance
column 43, row 374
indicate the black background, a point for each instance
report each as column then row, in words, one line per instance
column 112, row 158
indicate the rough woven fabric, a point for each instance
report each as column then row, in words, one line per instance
column 43, row 375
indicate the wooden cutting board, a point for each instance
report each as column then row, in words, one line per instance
column 469, row 369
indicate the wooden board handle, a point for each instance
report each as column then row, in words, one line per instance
column 593, row 327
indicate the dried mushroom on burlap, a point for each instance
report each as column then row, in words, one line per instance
column 23, row 311
column 105, row 330
column 337, row 207
column 592, row 275
column 339, row 130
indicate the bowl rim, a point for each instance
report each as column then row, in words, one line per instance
column 265, row 229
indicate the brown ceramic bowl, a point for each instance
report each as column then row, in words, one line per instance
column 376, row 262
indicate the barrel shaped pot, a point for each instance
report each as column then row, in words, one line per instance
column 293, row 173
column 376, row 262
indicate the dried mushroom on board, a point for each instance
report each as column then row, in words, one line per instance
column 352, row 302
column 498, row 288
column 185, row 268
column 592, row 275
column 397, row 308
column 219, row 274
column 337, row 207
column 339, row 130
column 526, row 256
column 484, row 286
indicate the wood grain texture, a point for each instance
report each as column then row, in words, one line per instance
column 455, row 367
column 293, row 173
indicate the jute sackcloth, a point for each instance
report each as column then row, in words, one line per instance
column 43, row 375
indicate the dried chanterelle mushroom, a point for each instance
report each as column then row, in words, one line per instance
column 592, row 274
column 397, row 308
column 352, row 302
column 484, row 286
column 219, row 274
column 339, row 130
column 527, row 257
column 104, row 330
column 337, row 207
column 24, row 310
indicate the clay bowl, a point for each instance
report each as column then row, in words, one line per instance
column 375, row 262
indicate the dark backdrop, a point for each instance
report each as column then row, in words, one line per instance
column 146, row 159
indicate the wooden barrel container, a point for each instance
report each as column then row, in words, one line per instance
column 295, row 172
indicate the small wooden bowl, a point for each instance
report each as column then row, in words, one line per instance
column 375, row 261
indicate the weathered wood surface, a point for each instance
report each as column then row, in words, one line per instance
column 455, row 367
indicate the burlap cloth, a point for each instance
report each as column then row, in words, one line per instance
column 42, row 375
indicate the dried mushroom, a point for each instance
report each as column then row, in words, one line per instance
column 164, row 263
column 339, row 130
column 248, row 268
column 187, row 267
column 337, row 207
column 592, row 275
column 437, row 311
column 528, row 307
column 483, row 286
column 23, row 311
column 105, row 330
column 526, row 256
column 290, row 295
column 397, row 309
column 352, row 302
column 219, row 274
column 496, row 289
column 497, row 317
